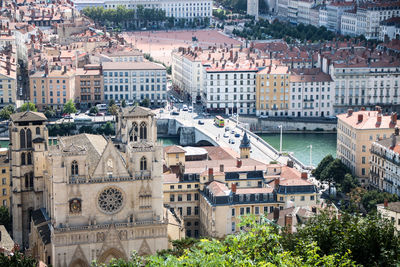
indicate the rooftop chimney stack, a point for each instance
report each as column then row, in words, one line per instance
column 385, row 203
column 221, row 167
column 379, row 119
column 210, row 174
column 304, row 175
column 233, row 188
column 238, row 163
column 360, row 118
column 289, row 222
column 349, row 112
column 393, row 118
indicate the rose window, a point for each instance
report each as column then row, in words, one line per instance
column 110, row 200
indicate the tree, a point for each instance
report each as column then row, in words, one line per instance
column 321, row 166
column 145, row 102
column 334, row 173
column 27, row 105
column 17, row 259
column 5, row 218
column 111, row 102
column 373, row 197
column 6, row 112
column 113, row 110
column 123, row 103
column 371, row 240
column 106, row 129
column 349, row 182
column 69, row 107
column 49, row 113
column 94, row 110
column 86, row 129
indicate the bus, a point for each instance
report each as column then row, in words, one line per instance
column 219, row 121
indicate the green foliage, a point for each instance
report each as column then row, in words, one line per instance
column 369, row 241
column 49, row 113
column 111, row 102
column 6, row 112
column 17, row 260
column 169, row 70
column 25, row 106
column 349, row 183
column 5, row 218
column 113, row 109
column 262, row 29
column 87, row 129
column 69, row 107
column 321, row 166
column 106, row 129
column 369, row 199
column 123, row 103
column 258, row 244
column 94, row 110
column 61, row 129
column 145, row 102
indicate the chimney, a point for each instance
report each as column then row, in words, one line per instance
column 304, row 175
column 393, row 141
column 379, row 119
column 289, row 222
column 276, row 214
column 360, row 118
column 231, row 55
column 393, row 118
column 221, row 167
column 233, row 188
column 210, row 174
column 385, row 203
column 277, row 181
column 238, row 163
column 349, row 112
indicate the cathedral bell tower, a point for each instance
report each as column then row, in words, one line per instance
column 28, row 145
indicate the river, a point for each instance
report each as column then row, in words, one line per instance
column 322, row 144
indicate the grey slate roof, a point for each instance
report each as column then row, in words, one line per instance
column 28, row 116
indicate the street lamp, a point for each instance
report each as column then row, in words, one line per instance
column 280, row 142
column 310, row 146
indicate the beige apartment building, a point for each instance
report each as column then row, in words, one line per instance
column 5, row 191
column 390, row 211
column 355, row 133
column 52, row 88
column 272, row 91
column 88, row 86
column 8, row 80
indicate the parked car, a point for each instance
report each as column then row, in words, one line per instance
column 231, row 141
column 200, row 122
column 226, row 135
column 100, row 114
column 78, row 112
column 174, row 113
column 227, row 129
column 68, row 117
column 237, row 135
column 233, row 132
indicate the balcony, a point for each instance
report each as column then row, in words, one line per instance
column 140, row 175
column 308, row 100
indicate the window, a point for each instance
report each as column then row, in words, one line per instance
column 4, row 192
column 29, row 155
column 143, row 164
column 189, row 211
column 23, row 159
column 241, row 211
column 311, row 197
column 143, row 131
column 256, row 210
column 196, row 210
column 233, row 212
column 363, row 160
column 4, row 203
column 248, row 210
column 37, row 131
column 180, row 186
column 265, row 209
column 135, row 132
column 171, row 187
column 363, row 171
column 189, row 197
column 302, row 198
column 3, row 181
column 22, row 138
column 189, row 186
column 363, row 149
column 28, row 138
column 233, row 227
column 74, row 168
column 179, row 197
column 196, row 196
column 172, row 197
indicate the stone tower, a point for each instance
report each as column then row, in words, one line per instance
column 28, row 145
column 245, row 147
column 252, row 8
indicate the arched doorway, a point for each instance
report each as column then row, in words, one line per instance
column 109, row 254
column 79, row 263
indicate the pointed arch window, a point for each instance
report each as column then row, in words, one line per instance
column 23, row 159
column 29, row 158
column 135, row 131
column 26, row 176
column 31, row 179
column 28, row 138
column 143, row 164
column 22, row 138
column 74, row 168
column 143, row 131
column 37, row 130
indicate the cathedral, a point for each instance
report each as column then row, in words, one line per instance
column 86, row 197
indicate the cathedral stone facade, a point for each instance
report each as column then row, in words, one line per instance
column 88, row 197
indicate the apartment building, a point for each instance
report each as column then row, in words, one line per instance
column 385, row 164
column 282, row 6
column 363, row 82
column 221, row 207
column 5, row 192
column 272, row 91
column 135, row 81
column 304, row 10
column 292, row 11
column 8, row 80
column 334, row 14
column 89, row 86
column 52, row 88
column 230, row 88
column 188, row 9
column 323, row 17
column 187, row 71
column 356, row 131
column 389, row 29
column 311, row 93
column 252, row 8
column 390, row 211
column 348, row 23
